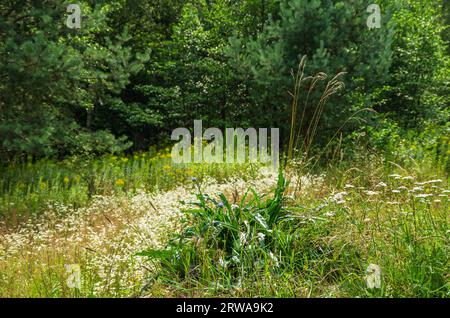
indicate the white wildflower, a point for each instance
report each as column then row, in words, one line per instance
column 423, row 195
column 416, row 189
column 339, row 196
column 429, row 182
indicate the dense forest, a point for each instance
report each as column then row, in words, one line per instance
column 92, row 203
column 135, row 70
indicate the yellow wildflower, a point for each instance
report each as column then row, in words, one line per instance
column 120, row 182
column 66, row 180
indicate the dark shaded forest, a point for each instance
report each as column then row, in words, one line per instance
column 135, row 70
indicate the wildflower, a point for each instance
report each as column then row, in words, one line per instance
column 220, row 205
column 329, row 214
column 124, row 159
column 42, row 185
column 373, row 277
column 395, row 176
column 349, row 186
column 423, row 195
column 381, row 185
column 338, row 197
column 396, row 191
column 194, row 179
column 120, row 182
column 166, row 167
column 66, row 180
column 434, row 181
column 408, row 178
column 429, row 182
column 392, row 203
column 372, row 193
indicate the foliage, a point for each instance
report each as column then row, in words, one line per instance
column 417, row 90
column 26, row 189
column 266, row 247
column 228, row 239
column 53, row 78
column 334, row 37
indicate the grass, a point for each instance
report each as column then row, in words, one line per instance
column 26, row 189
column 131, row 203
column 139, row 225
column 243, row 234
column 319, row 243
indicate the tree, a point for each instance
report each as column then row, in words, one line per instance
column 53, row 77
column 335, row 38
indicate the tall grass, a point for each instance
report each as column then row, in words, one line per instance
column 26, row 189
column 318, row 243
column 304, row 125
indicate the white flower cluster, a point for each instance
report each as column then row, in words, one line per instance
column 105, row 236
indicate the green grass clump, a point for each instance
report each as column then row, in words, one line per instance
column 225, row 242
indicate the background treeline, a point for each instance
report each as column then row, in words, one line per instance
column 138, row 69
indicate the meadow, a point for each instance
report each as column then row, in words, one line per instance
column 93, row 202
column 142, row 226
